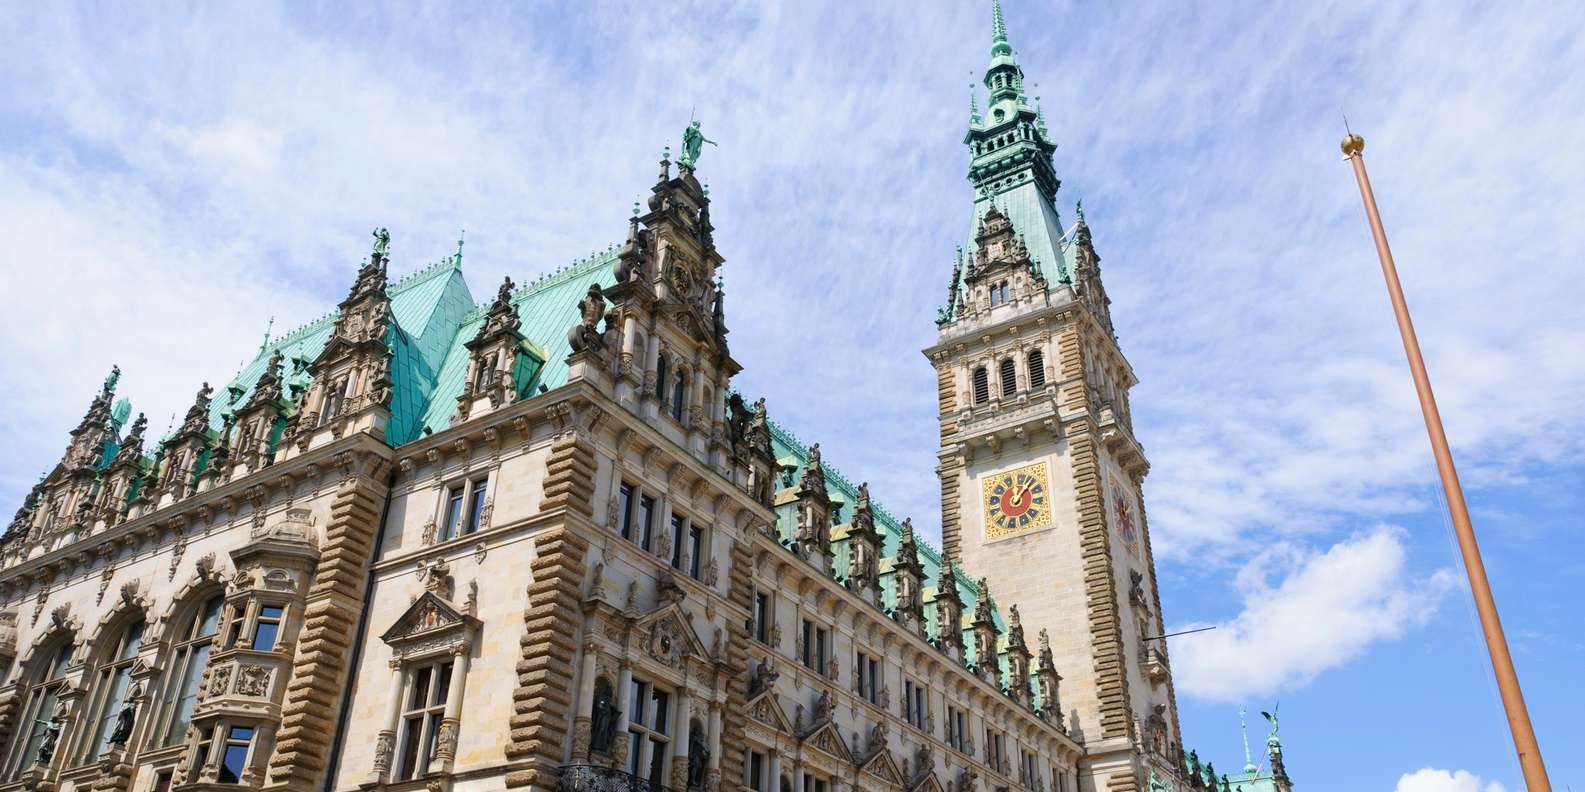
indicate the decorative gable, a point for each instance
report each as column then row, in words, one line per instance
column 667, row 634
column 929, row 783
column 828, row 740
column 430, row 625
column 883, row 767
column 765, row 710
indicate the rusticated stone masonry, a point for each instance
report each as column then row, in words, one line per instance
column 946, row 396
column 741, row 593
column 1094, row 543
column 319, row 673
column 543, row 697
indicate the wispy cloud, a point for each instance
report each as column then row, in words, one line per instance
column 1305, row 613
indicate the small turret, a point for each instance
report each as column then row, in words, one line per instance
column 864, row 549
column 908, row 579
column 949, row 612
column 985, row 635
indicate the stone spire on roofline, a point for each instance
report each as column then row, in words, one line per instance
column 350, row 387
column 1050, row 698
column 493, row 355
column 949, row 612
column 864, row 549
column 985, row 634
column 908, row 580
column 1018, row 656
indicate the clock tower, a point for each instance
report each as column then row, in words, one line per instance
column 1040, row 471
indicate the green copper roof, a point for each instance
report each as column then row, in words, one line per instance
column 793, row 455
column 547, row 307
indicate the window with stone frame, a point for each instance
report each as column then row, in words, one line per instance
column 757, row 769
column 679, row 394
column 462, row 512
column 646, row 521
column 763, row 613
column 995, row 749
column 189, row 656
column 916, row 705
column 867, row 670
column 696, row 547
column 1028, row 767
column 982, row 385
column 111, row 684
column 813, row 783
column 423, row 709
column 44, row 684
column 1037, row 369
column 223, row 754
column 958, row 729
column 660, row 376
column 1009, row 377
column 649, row 731
column 816, row 646
column 625, row 503
column 257, row 624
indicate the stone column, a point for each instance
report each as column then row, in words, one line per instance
column 712, row 778
column 619, row 741
column 446, row 745
column 798, row 775
column 698, row 415
column 629, row 372
column 677, row 749
column 646, row 394
column 585, row 707
column 773, row 774
column 385, row 741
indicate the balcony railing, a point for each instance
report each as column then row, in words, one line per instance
column 589, row 778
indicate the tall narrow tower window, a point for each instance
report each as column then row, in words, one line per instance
column 660, row 377
column 1037, row 369
column 1009, row 377
column 982, row 386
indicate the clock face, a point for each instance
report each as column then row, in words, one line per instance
column 1016, row 501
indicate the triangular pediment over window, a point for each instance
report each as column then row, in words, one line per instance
column 828, row 740
column 765, row 710
column 883, row 767
column 430, row 623
column 667, row 634
column 928, row 784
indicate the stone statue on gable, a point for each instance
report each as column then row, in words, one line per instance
column 692, row 143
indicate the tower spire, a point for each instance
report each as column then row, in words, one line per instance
column 1243, row 727
column 998, row 28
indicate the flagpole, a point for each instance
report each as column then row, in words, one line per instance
column 1524, row 741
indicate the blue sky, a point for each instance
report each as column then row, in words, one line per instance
column 171, row 180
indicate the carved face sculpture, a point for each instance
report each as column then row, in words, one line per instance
column 1016, row 501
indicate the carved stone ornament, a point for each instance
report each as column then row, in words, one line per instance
column 253, row 680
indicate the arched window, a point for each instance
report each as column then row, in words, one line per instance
column 189, row 655
column 109, row 693
column 1009, row 377
column 679, row 394
column 660, row 377
column 1037, row 369
column 982, row 386
column 45, row 682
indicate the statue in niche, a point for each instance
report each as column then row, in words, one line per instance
column 127, row 716
column 52, row 734
column 603, row 723
column 698, row 758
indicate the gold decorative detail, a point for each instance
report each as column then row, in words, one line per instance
column 1017, row 500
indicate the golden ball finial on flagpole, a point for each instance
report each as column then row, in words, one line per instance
column 1353, row 144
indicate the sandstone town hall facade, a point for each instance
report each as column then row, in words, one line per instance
column 538, row 543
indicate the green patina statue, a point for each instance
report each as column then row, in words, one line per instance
column 692, row 143
column 382, row 241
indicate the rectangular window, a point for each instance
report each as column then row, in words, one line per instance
column 624, row 509
column 427, row 688
column 480, row 489
column 815, row 640
column 1028, row 767
column 695, row 550
column 995, row 749
column 762, row 617
column 162, row 782
column 812, row 784
column 234, row 759
column 957, row 729
column 267, row 628
column 914, row 707
column 757, row 768
column 679, row 529
column 867, row 669
column 649, row 732
column 646, row 521
column 448, row 529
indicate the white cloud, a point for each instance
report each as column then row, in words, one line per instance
column 1326, row 609
column 1428, row 779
